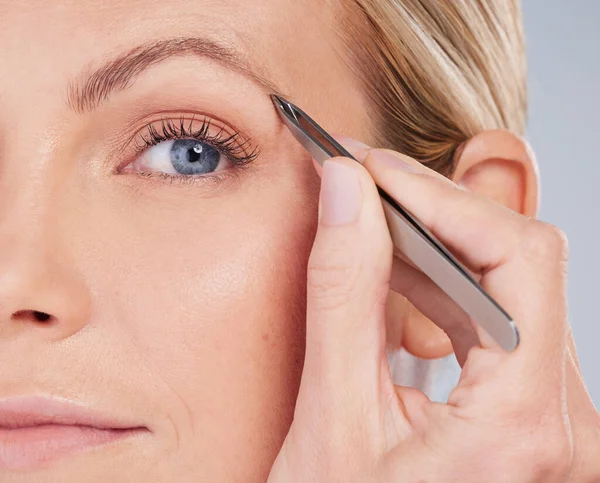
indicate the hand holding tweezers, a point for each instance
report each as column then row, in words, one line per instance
column 412, row 238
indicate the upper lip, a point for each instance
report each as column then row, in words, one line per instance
column 30, row 411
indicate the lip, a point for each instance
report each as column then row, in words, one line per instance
column 36, row 430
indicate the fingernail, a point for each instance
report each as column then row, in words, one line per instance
column 349, row 142
column 341, row 194
column 391, row 160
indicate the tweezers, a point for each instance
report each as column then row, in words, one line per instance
column 411, row 237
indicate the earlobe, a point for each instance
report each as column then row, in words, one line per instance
column 496, row 164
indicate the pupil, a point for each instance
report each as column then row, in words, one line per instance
column 194, row 153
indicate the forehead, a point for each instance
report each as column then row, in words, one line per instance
column 293, row 43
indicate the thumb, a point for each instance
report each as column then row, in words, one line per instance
column 347, row 286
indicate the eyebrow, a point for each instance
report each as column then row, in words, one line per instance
column 119, row 74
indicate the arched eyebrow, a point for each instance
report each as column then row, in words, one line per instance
column 89, row 92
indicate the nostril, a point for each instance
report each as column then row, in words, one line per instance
column 36, row 315
column 41, row 316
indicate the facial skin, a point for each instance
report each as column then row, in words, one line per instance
column 178, row 306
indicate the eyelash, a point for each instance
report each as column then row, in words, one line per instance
column 235, row 147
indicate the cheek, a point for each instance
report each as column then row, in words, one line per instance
column 213, row 304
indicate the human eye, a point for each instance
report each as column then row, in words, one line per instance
column 188, row 149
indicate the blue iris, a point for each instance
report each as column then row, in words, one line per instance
column 190, row 156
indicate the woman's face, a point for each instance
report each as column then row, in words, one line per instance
column 173, row 277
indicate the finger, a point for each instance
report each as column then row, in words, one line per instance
column 414, row 405
column 360, row 151
column 425, row 295
column 347, row 286
column 522, row 261
column 434, row 304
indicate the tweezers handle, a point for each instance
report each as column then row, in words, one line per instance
column 451, row 277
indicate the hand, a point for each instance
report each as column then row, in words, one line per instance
column 513, row 417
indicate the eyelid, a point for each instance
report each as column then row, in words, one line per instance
column 136, row 143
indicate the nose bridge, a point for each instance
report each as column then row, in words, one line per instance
column 38, row 270
column 30, row 194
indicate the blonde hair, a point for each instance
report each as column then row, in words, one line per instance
column 435, row 73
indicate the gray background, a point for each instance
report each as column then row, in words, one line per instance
column 563, row 49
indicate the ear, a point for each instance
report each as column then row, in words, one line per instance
column 500, row 165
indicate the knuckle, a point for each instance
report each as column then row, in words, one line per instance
column 545, row 241
column 330, row 282
column 551, row 454
column 454, row 204
column 546, row 446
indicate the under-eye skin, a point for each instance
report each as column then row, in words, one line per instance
column 188, row 150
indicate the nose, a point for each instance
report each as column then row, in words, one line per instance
column 41, row 290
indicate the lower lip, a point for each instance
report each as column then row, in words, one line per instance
column 30, row 447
